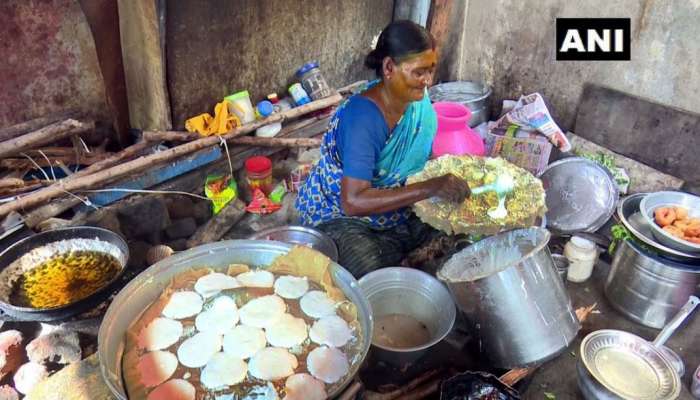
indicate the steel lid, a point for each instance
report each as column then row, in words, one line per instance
column 581, row 195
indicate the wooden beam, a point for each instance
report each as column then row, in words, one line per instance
column 135, row 166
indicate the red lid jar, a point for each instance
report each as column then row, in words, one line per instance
column 259, row 173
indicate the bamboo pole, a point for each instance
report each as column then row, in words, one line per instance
column 171, row 136
column 81, row 182
column 47, row 134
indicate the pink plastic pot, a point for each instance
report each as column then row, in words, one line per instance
column 454, row 136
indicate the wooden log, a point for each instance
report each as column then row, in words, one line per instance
column 408, row 388
column 48, row 134
column 142, row 163
column 351, row 392
column 54, row 208
column 218, row 225
column 23, row 163
column 11, row 183
column 20, row 129
column 172, row 136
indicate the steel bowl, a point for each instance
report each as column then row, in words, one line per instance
column 581, row 195
column 630, row 216
column 30, row 243
column 143, row 290
column 301, row 235
column 408, row 291
column 653, row 201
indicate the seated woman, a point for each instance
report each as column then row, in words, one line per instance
column 357, row 192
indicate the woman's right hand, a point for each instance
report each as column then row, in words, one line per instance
column 450, row 188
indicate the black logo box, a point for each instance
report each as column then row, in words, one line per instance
column 582, row 25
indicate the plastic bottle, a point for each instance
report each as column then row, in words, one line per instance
column 265, row 109
column 582, row 255
column 299, row 94
column 313, row 82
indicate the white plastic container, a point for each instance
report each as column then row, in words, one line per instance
column 239, row 104
column 582, row 255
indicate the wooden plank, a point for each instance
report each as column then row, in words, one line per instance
column 662, row 137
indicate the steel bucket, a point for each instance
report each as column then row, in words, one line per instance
column 649, row 289
column 408, row 291
column 511, row 294
column 472, row 94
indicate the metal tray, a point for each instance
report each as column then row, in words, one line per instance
column 581, row 195
column 631, row 217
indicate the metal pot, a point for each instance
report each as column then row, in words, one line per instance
column 649, row 289
column 303, row 235
column 408, row 291
column 474, row 95
column 26, row 245
column 616, row 365
column 143, row 290
column 510, row 291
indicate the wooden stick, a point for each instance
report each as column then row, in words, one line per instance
column 74, row 182
column 351, row 392
column 423, row 391
column 48, row 134
column 23, row 163
column 11, row 183
column 34, row 124
column 404, row 389
column 243, row 140
column 217, row 226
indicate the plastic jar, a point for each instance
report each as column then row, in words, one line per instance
column 299, row 94
column 582, row 255
column 313, row 81
column 239, row 104
column 259, row 174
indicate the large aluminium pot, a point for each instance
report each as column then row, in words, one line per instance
column 647, row 288
column 512, row 296
column 131, row 301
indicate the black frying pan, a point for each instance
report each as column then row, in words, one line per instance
column 25, row 245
